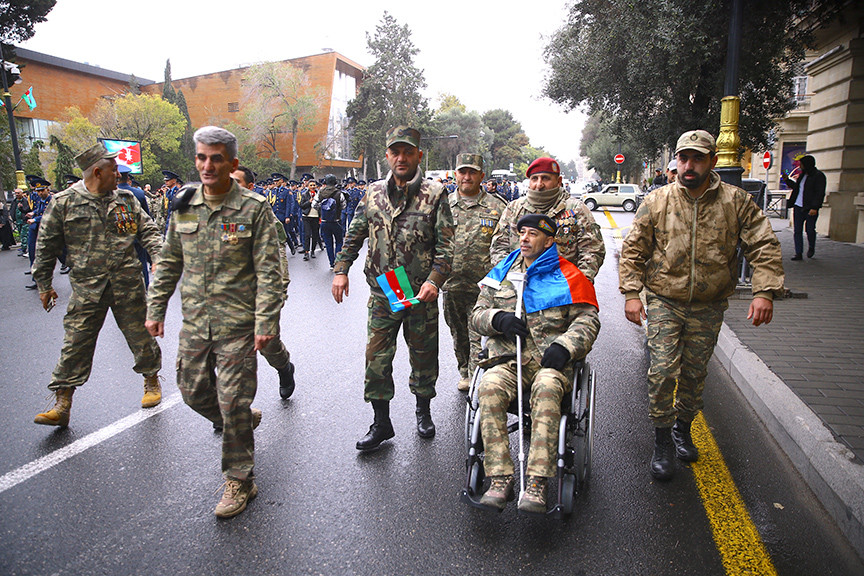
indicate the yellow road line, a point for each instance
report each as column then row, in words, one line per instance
column 737, row 539
column 616, row 231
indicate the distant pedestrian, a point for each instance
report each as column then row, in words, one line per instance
column 682, row 250
column 222, row 242
column 98, row 225
column 808, row 194
column 408, row 224
column 329, row 204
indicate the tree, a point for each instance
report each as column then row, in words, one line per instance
column 179, row 160
column 31, row 162
column 390, row 93
column 602, row 140
column 147, row 118
column 74, row 133
column 509, row 139
column 278, row 99
column 65, row 162
column 658, row 66
column 471, row 132
column 18, row 17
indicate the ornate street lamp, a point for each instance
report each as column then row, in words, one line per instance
column 7, row 100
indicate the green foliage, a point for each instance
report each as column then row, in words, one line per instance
column 7, row 158
column 64, row 163
column 601, row 142
column 30, row 161
column 277, row 99
column 471, row 132
column 658, row 66
column 508, row 139
column 391, row 91
column 17, row 18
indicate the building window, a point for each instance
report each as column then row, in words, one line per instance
column 31, row 130
column 233, row 106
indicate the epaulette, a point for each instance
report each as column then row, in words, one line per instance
column 254, row 195
column 184, row 196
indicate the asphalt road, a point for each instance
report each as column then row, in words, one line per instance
column 140, row 499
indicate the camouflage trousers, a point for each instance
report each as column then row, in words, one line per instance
column 23, row 232
column 681, row 339
column 420, row 329
column 82, row 323
column 497, row 390
column 218, row 379
column 276, row 354
column 458, row 305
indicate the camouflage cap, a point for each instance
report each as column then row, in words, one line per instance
column 403, row 134
column 92, row 155
column 468, row 160
column 698, row 140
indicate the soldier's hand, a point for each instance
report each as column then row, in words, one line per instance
column 634, row 311
column 339, row 288
column 508, row 324
column 428, row 292
column 555, row 357
column 262, row 341
column 156, row 329
column 761, row 310
column 46, row 298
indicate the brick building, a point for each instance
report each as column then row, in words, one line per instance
column 211, row 98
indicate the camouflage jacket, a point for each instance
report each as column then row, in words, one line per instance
column 415, row 232
column 475, row 219
column 229, row 262
column 578, row 238
column 575, row 327
column 99, row 233
column 685, row 249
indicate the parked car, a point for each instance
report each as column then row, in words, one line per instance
column 627, row 196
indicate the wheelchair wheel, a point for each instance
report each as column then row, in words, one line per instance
column 568, row 494
column 585, row 431
column 476, row 476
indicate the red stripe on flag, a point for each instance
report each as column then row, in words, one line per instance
column 581, row 289
column 393, row 281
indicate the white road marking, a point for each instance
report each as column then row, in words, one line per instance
column 27, row 471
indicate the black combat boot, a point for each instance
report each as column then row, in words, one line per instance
column 684, row 448
column 663, row 463
column 381, row 428
column 286, row 381
column 425, row 426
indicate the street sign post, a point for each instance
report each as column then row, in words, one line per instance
column 619, row 159
column 767, row 162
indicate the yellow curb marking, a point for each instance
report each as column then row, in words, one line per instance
column 616, row 231
column 737, row 539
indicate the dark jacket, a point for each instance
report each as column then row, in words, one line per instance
column 814, row 189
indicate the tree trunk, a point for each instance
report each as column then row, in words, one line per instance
column 293, row 148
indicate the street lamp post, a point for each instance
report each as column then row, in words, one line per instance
column 450, row 137
column 728, row 141
column 7, row 100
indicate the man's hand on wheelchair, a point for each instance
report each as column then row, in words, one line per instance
column 555, row 357
column 508, row 324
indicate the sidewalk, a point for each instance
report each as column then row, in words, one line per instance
column 804, row 372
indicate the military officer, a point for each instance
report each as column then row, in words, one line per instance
column 475, row 214
column 173, row 182
column 99, row 225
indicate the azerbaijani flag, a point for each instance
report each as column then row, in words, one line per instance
column 398, row 289
column 29, row 99
column 551, row 280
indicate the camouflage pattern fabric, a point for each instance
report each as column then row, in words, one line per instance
column 231, row 362
column 475, row 219
column 458, row 305
column 411, row 228
column 275, row 352
column 420, row 328
column 228, row 257
column 99, row 233
column 83, row 321
column 658, row 253
column 575, row 327
column 578, row 238
column 681, row 339
column 157, row 209
column 497, row 390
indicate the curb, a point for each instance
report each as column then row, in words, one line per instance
column 825, row 464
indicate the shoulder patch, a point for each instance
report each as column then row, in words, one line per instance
column 254, row 195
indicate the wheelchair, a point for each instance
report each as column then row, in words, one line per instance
column 575, row 442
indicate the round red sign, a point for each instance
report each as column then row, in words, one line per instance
column 767, row 160
column 619, row 158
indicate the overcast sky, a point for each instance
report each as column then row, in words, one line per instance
column 487, row 55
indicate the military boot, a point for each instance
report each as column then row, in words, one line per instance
column 425, row 426
column 381, row 429
column 152, row 391
column 59, row 414
column 286, row 381
column 237, row 495
column 663, row 463
column 684, row 447
column 533, row 500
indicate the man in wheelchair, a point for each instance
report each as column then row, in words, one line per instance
column 556, row 327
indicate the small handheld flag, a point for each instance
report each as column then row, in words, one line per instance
column 29, row 99
column 398, row 289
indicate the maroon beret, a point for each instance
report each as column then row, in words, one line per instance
column 543, row 165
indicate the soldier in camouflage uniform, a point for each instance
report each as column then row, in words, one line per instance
column 98, row 224
column 552, row 339
column 222, row 241
column 475, row 214
column 408, row 223
column 579, row 239
column 682, row 251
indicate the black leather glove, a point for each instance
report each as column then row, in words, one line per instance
column 555, row 357
column 509, row 325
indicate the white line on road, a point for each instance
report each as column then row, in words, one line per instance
column 27, row 471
